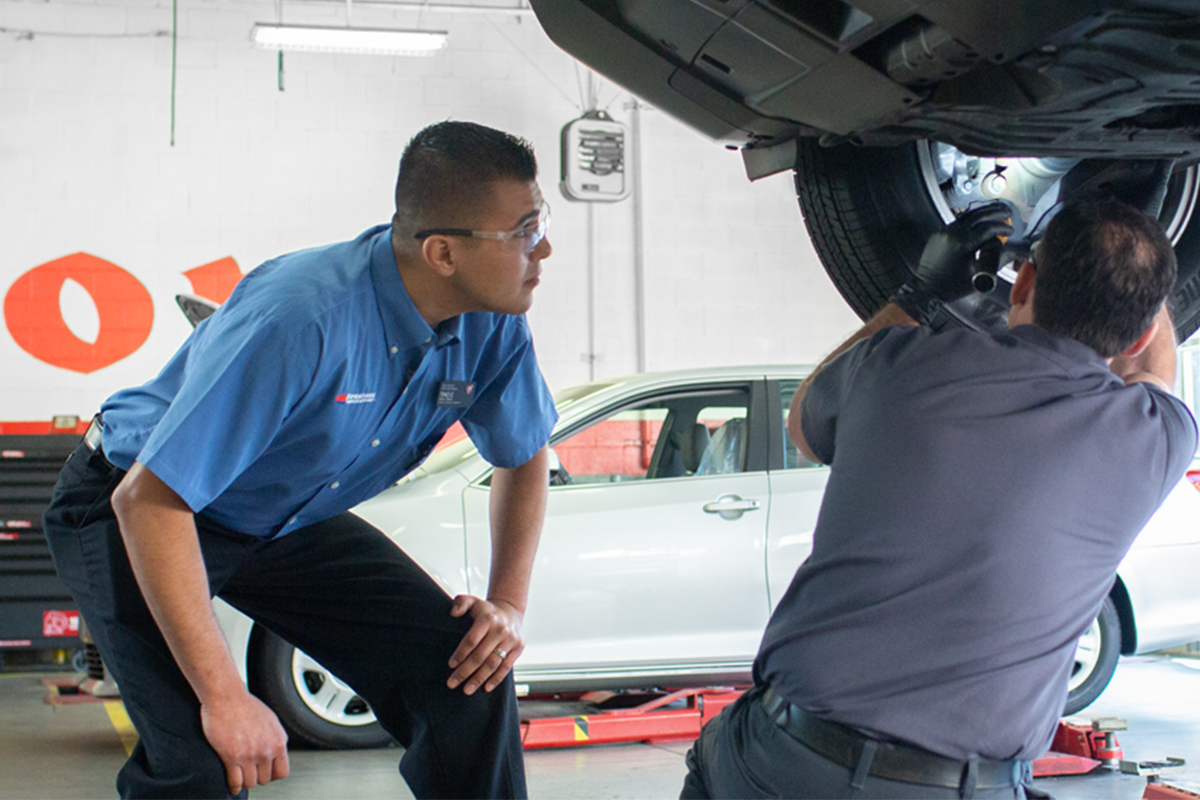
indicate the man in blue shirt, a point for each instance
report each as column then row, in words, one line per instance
column 984, row 489
column 328, row 375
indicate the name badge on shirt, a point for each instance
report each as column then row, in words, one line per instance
column 455, row 394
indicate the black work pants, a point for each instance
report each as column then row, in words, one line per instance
column 339, row 590
column 742, row 753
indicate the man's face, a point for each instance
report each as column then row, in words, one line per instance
column 500, row 275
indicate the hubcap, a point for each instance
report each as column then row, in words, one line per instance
column 325, row 695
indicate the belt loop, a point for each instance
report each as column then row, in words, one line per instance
column 970, row 779
column 864, row 764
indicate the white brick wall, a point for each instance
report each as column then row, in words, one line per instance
column 86, row 165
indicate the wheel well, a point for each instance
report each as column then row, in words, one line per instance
column 254, row 648
column 1120, row 598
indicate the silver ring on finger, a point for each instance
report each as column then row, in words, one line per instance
column 500, row 651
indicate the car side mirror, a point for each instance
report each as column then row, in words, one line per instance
column 196, row 309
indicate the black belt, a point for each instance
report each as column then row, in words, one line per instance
column 893, row 761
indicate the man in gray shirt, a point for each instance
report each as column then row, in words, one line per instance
column 984, row 490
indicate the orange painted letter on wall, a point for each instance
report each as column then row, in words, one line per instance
column 216, row 279
column 34, row 315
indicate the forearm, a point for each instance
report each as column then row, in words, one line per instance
column 159, row 531
column 496, row 639
column 518, row 508
column 890, row 314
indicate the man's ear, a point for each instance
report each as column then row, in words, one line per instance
column 1142, row 342
column 441, row 254
column 1022, row 288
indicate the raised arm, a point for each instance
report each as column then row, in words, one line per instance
column 890, row 314
column 159, row 531
column 943, row 275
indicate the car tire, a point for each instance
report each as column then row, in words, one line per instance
column 315, row 708
column 869, row 212
column 1096, row 657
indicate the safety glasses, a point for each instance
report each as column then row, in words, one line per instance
column 529, row 235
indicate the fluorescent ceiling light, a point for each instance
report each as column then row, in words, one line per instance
column 324, row 39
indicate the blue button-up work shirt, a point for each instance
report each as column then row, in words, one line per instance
column 315, row 386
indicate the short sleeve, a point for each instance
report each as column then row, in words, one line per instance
column 1181, row 433
column 242, row 377
column 512, row 417
column 827, row 394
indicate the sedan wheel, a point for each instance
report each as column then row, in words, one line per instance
column 1096, row 657
column 326, row 695
column 315, row 707
column 870, row 210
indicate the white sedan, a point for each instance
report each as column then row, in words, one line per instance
column 678, row 514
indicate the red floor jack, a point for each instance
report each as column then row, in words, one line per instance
column 1165, row 791
column 1154, row 770
column 1078, row 749
column 659, row 717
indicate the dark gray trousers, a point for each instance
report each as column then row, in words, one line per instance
column 742, row 753
column 339, row 590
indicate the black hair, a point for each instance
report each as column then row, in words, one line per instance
column 1103, row 271
column 446, row 169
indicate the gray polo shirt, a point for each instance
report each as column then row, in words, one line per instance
column 983, row 491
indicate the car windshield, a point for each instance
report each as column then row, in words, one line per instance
column 454, row 453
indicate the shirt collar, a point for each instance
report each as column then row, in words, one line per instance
column 403, row 325
column 1069, row 350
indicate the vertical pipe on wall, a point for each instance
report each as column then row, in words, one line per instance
column 639, row 260
column 590, row 357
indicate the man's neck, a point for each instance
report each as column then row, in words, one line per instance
column 427, row 293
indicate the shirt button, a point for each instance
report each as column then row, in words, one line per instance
column 334, row 485
column 292, row 521
column 393, row 350
column 375, row 443
column 430, row 339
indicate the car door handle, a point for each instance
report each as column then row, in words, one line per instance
column 730, row 506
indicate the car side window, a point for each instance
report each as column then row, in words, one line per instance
column 672, row 436
column 792, row 458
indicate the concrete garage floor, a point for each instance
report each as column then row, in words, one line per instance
column 74, row 751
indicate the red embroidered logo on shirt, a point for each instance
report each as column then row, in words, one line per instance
column 359, row 397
